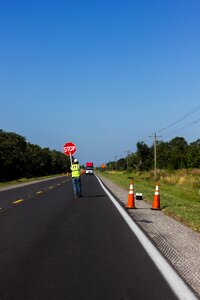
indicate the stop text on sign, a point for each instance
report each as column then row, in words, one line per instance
column 69, row 148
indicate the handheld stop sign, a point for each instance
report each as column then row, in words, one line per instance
column 69, row 149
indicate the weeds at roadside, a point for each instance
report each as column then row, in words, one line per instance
column 179, row 192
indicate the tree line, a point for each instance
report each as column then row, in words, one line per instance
column 173, row 155
column 21, row 159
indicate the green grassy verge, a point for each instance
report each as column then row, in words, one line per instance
column 179, row 198
column 24, row 180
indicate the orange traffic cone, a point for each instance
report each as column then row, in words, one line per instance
column 156, row 201
column 130, row 203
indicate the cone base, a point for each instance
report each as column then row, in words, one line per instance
column 155, row 208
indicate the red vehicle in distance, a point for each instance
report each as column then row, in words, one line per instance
column 89, row 168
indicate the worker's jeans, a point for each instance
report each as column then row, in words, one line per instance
column 76, row 181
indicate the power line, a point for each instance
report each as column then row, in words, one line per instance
column 184, row 127
column 170, row 125
column 185, row 116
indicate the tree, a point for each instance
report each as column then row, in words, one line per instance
column 121, row 164
column 193, row 155
column 60, row 162
column 21, row 159
column 144, row 157
column 34, row 159
column 178, row 153
column 163, row 154
column 12, row 155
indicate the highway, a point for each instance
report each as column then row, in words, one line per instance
column 53, row 246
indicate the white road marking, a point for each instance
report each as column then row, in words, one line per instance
column 177, row 285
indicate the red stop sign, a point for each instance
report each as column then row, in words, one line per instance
column 69, row 148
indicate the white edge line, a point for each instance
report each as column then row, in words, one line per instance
column 180, row 289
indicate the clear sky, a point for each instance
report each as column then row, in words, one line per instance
column 103, row 74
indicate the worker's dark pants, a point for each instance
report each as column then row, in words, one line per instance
column 77, row 186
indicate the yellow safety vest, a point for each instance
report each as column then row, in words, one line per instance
column 76, row 170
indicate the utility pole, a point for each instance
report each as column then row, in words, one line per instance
column 116, row 162
column 127, row 159
column 155, row 154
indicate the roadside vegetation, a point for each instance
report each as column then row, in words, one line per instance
column 21, row 159
column 179, row 191
column 25, row 180
column 177, row 171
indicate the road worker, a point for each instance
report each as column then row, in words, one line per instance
column 76, row 178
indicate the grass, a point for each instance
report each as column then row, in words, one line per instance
column 24, row 180
column 179, row 192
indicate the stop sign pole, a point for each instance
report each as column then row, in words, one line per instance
column 69, row 149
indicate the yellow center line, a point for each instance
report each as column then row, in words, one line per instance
column 50, row 187
column 18, row 201
column 39, row 192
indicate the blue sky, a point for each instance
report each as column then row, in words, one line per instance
column 103, row 74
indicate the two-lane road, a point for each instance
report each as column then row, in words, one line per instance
column 53, row 246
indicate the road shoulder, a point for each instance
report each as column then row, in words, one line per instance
column 178, row 243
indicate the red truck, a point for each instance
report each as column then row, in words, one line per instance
column 89, row 168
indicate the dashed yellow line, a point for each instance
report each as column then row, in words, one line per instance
column 37, row 193
column 18, row 201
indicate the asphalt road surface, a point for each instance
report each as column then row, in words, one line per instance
column 53, row 246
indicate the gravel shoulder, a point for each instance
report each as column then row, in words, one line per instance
column 178, row 243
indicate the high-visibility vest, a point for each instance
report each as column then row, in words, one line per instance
column 76, row 170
